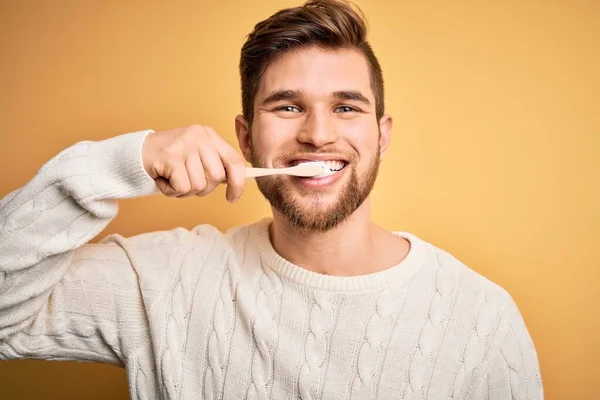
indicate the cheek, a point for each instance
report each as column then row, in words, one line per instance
column 271, row 134
column 363, row 137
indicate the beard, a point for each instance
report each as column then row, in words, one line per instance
column 314, row 215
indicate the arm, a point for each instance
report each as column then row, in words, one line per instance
column 61, row 298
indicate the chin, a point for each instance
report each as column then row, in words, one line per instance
column 314, row 212
column 318, row 205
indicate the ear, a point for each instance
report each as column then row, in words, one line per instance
column 385, row 134
column 243, row 136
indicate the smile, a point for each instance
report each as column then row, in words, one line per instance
column 331, row 166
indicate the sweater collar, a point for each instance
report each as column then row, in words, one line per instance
column 396, row 275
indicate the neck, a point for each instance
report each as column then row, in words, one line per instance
column 346, row 250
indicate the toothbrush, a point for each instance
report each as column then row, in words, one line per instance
column 307, row 169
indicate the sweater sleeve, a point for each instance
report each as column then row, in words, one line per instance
column 514, row 371
column 61, row 298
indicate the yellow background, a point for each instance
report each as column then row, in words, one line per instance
column 495, row 154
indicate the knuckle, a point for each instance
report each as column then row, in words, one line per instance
column 207, row 190
column 215, row 175
column 194, row 128
column 192, row 134
column 182, row 190
column 181, row 186
column 236, row 159
column 210, row 130
column 239, row 183
column 191, row 137
column 236, row 180
column 198, row 186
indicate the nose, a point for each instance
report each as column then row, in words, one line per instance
column 318, row 129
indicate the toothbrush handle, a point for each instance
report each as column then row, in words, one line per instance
column 252, row 172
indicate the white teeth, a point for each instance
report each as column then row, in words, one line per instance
column 329, row 167
column 331, row 164
column 335, row 165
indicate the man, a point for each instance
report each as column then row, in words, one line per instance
column 317, row 302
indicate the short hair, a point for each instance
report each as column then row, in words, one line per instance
column 328, row 24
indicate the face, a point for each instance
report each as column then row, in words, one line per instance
column 316, row 105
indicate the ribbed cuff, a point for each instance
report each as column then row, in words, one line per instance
column 116, row 169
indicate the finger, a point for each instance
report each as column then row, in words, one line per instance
column 195, row 172
column 235, row 171
column 175, row 182
column 163, row 186
column 213, row 166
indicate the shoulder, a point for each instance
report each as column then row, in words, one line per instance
column 485, row 330
column 470, row 289
column 202, row 239
column 499, row 352
column 481, row 313
column 483, row 305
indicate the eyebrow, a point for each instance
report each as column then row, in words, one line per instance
column 351, row 95
column 280, row 95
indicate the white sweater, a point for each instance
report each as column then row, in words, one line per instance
column 202, row 314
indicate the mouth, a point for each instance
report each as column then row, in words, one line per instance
column 330, row 166
column 333, row 170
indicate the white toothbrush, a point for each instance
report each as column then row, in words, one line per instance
column 307, row 169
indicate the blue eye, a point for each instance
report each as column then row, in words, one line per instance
column 345, row 109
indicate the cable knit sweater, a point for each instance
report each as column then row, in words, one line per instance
column 200, row 314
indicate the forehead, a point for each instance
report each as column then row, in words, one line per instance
column 317, row 72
